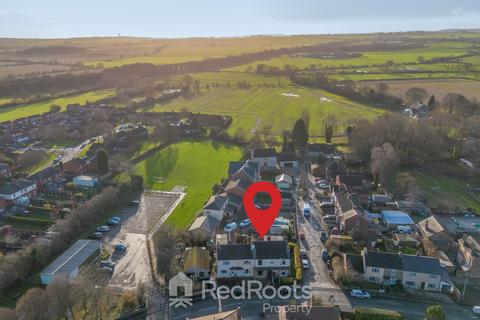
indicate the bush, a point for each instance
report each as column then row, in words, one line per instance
column 296, row 261
column 30, row 220
column 376, row 314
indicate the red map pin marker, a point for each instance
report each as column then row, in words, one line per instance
column 262, row 220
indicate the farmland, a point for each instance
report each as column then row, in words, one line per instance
column 12, row 113
column 277, row 105
column 196, row 165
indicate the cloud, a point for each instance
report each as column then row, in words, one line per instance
column 457, row 11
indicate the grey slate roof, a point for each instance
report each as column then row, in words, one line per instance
column 233, row 167
column 271, row 249
column 264, row 153
column 405, row 262
column 72, row 258
column 215, row 203
column 44, row 174
column 15, row 186
column 287, row 156
column 239, row 251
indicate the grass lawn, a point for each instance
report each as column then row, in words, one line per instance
column 441, row 189
column 42, row 164
column 258, row 106
column 27, row 110
column 198, row 165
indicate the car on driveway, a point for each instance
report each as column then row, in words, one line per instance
column 323, row 235
column 230, row 227
column 360, row 294
column 107, row 263
column 121, row 247
column 103, row 229
column 245, row 223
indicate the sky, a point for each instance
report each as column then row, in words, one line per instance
column 192, row 18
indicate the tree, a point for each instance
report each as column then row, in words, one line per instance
column 416, row 95
column 330, row 124
column 7, row 314
column 102, row 161
column 383, row 160
column 300, row 134
column 61, row 296
column 164, row 242
column 453, row 101
column 34, row 305
column 431, row 102
column 435, row 312
column 382, row 88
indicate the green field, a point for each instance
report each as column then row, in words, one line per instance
column 27, row 110
column 258, row 106
column 197, row 165
column 441, row 189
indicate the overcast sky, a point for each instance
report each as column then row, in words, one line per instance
column 187, row 18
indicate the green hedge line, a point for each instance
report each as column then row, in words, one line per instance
column 30, row 220
column 376, row 314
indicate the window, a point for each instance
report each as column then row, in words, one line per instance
column 433, row 276
column 373, row 279
column 410, row 283
column 284, row 262
column 260, row 262
column 412, row 274
column 247, row 271
column 246, row 262
column 260, row 272
column 431, row 286
column 226, row 263
column 223, row 271
column 376, row 270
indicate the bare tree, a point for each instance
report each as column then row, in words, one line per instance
column 416, row 95
column 382, row 87
column 34, row 305
column 383, row 160
column 7, row 314
column 166, row 250
column 61, row 295
column 452, row 101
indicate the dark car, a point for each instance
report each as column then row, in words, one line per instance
column 96, row 235
column 325, row 255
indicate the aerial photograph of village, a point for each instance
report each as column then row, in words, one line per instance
column 227, row 160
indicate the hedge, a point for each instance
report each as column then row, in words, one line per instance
column 376, row 314
column 297, row 261
column 30, row 220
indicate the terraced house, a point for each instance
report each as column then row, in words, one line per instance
column 411, row 271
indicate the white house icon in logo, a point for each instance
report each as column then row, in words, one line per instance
column 176, row 298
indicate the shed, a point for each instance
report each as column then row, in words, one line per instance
column 70, row 261
column 284, row 181
column 83, row 181
column 197, row 262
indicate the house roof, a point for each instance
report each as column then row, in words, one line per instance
column 15, row 186
column 326, row 148
column 44, row 174
column 234, row 166
column 396, row 217
column 283, row 178
column 196, row 257
column 232, row 314
column 287, row 156
column 238, row 251
column 264, row 153
column 430, row 226
column 350, row 214
column 381, row 198
column 355, row 261
column 271, row 249
column 351, row 179
column 344, row 201
column 405, row 262
column 206, row 223
column 215, row 203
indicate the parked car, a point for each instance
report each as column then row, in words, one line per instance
column 323, row 235
column 111, row 222
column 96, row 235
column 357, row 293
column 245, row 223
column 107, row 263
column 303, row 254
column 305, row 264
column 116, row 218
column 108, row 269
column 330, row 217
column 476, row 309
column 134, row 203
column 103, row 229
column 121, row 247
column 306, row 208
column 230, row 227
column 325, row 255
